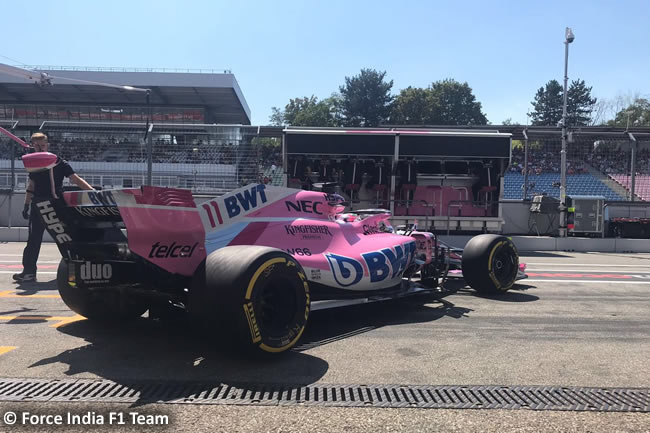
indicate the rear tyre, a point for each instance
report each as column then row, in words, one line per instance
column 105, row 306
column 490, row 264
column 256, row 297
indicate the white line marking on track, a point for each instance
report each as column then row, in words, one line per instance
column 609, row 265
column 18, row 261
column 629, row 271
column 585, row 282
column 38, row 273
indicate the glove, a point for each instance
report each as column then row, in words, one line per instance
column 26, row 212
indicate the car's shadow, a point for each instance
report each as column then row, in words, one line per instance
column 148, row 349
column 515, row 294
column 160, row 351
column 525, row 254
column 328, row 326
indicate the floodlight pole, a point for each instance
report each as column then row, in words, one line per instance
column 525, row 132
column 12, row 184
column 563, row 209
column 633, row 145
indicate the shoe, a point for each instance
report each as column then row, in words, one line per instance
column 25, row 278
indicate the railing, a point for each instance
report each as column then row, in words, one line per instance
column 121, row 69
column 405, row 203
column 487, row 207
column 429, row 214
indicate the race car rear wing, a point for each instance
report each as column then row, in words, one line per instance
column 81, row 233
column 161, row 226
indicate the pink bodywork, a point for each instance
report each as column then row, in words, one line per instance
column 166, row 227
column 163, row 224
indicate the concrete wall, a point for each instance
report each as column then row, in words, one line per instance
column 544, row 243
column 17, row 203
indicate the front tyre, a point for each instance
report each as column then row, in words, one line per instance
column 257, row 297
column 113, row 306
column 490, row 264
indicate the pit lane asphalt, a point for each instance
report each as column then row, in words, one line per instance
column 576, row 322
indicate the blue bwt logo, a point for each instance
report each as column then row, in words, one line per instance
column 347, row 271
column 397, row 259
column 387, row 263
column 246, row 200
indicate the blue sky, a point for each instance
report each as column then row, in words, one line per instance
column 505, row 50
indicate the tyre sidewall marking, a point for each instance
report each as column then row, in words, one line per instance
column 256, row 275
column 298, row 329
column 255, row 333
column 493, row 277
column 249, row 311
column 256, row 336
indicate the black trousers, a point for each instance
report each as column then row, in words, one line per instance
column 34, row 241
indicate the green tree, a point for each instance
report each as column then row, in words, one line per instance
column 548, row 105
column 413, row 106
column 277, row 116
column 366, row 98
column 307, row 111
column 549, row 101
column 445, row 102
column 580, row 104
column 455, row 104
column 636, row 114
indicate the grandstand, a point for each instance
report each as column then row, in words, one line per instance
column 549, row 184
column 202, row 96
column 598, row 162
column 641, row 187
column 194, row 134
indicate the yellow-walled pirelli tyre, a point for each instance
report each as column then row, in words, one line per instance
column 257, row 297
column 105, row 306
column 490, row 264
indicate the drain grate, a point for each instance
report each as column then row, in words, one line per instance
column 414, row 396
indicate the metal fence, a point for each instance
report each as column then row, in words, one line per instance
column 210, row 159
column 616, row 166
column 213, row 159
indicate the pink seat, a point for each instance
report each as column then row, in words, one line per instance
column 449, row 194
column 435, row 194
column 421, row 197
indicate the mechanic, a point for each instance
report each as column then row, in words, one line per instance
column 39, row 186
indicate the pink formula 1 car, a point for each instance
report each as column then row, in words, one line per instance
column 255, row 261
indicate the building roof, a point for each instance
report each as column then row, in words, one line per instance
column 217, row 92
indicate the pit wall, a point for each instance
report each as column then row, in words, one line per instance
column 545, row 243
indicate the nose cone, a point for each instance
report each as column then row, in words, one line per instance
column 39, row 161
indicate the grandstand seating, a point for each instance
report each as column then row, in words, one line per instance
column 641, row 184
column 577, row 184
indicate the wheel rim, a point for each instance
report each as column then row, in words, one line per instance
column 277, row 306
column 504, row 266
